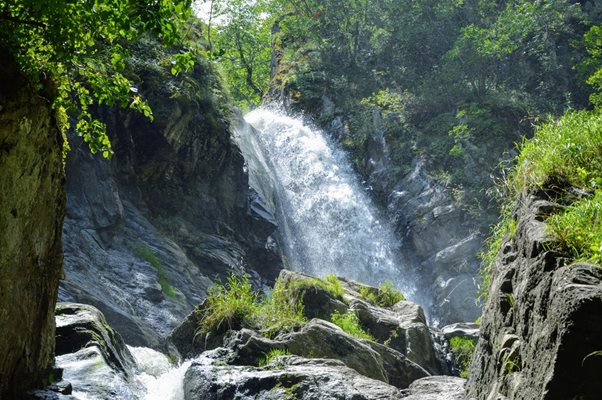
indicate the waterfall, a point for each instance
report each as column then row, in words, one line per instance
column 327, row 222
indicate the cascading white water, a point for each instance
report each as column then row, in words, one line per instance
column 326, row 220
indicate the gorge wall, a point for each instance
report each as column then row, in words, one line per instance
column 147, row 232
column 542, row 323
column 32, row 203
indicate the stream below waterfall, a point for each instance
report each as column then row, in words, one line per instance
column 326, row 225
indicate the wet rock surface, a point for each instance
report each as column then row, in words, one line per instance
column 147, row 232
column 234, row 356
column 284, row 377
column 437, row 388
column 542, row 321
column 93, row 358
column 442, row 240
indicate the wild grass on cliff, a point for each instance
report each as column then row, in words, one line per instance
column 566, row 152
column 350, row 323
column 565, row 155
column 565, row 158
column 162, row 277
column 236, row 305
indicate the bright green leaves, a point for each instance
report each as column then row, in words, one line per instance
column 183, row 62
column 79, row 43
column 593, row 63
column 242, row 46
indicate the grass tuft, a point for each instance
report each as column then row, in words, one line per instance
column 462, row 349
column 272, row 354
column 350, row 323
column 578, row 229
column 236, row 305
column 567, row 151
column 385, row 296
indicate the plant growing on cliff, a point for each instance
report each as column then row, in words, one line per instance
column 79, row 47
column 462, row 349
column 271, row 355
column 231, row 306
column 330, row 284
column 385, row 296
column 565, row 157
column 350, row 323
column 143, row 251
column 236, row 305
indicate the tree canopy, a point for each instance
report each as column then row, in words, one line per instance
column 80, row 46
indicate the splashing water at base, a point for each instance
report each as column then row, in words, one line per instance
column 160, row 380
column 326, row 220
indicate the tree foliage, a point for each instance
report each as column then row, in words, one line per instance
column 80, row 45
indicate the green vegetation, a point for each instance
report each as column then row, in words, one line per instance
column 272, row 354
column 385, row 296
column 144, row 252
column 564, row 158
column 454, row 82
column 236, row 305
column 563, row 153
column 75, row 50
column 579, row 229
column 350, row 323
column 330, row 284
column 462, row 349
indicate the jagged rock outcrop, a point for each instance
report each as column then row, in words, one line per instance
column 32, row 203
column 95, row 359
column 283, row 378
column 147, row 231
column 542, row 321
column 322, row 339
column 404, row 349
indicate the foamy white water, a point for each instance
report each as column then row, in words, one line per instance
column 159, row 379
column 326, row 219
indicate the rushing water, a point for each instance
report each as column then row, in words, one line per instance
column 327, row 223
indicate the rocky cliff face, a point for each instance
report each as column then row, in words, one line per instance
column 147, row 232
column 542, row 324
column 31, row 212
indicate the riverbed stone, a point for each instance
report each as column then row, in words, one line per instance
column 284, row 377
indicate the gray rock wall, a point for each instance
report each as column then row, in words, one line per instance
column 31, row 213
column 542, row 321
column 147, row 231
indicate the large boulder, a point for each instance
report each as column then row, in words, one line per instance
column 32, row 202
column 322, row 339
column 93, row 357
column 542, row 323
column 284, row 377
column 403, row 327
column 437, row 388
